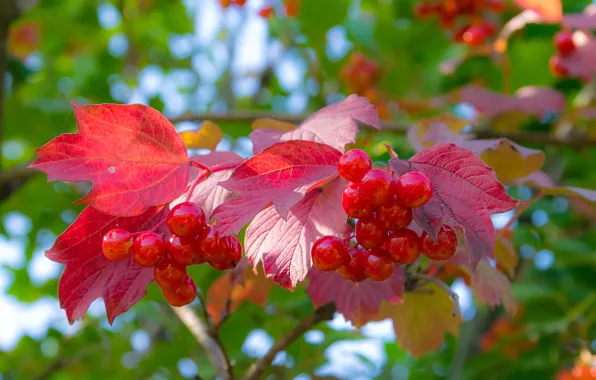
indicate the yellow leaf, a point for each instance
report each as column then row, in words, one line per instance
column 506, row 255
column 421, row 128
column 206, row 137
column 512, row 162
column 272, row 124
column 422, row 319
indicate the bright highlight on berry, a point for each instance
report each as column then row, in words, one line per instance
column 148, row 249
column 414, row 189
column 444, row 248
column 186, row 219
column 329, row 253
column 116, row 244
column 354, row 164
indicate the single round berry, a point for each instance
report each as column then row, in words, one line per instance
column 183, row 249
column 557, row 67
column 403, row 246
column 186, row 219
column 354, row 164
column 169, row 273
column 377, row 187
column 329, row 253
column 394, row 215
column 414, row 189
column 116, row 244
column 475, row 35
column 444, row 248
column 223, row 264
column 354, row 205
column 231, row 248
column 378, row 266
column 353, row 270
column 181, row 295
column 209, row 244
column 564, row 43
column 370, row 233
column 148, row 249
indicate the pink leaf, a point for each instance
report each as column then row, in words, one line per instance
column 358, row 302
column 130, row 153
column 281, row 174
column 585, row 20
column 465, row 193
column 283, row 246
column 333, row 125
column 540, row 180
column 89, row 274
column 582, row 62
column 493, row 287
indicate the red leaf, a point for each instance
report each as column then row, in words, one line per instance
column 358, row 302
column 208, row 194
column 493, row 287
column 281, row 174
column 130, row 153
column 89, row 275
column 465, row 193
column 549, row 10
column 284, row 245
column 333, row 125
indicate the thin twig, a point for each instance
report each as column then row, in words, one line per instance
column 521, row 209
column 442, row 285
column 228, row 308
column 323, row 313
column 204, row 335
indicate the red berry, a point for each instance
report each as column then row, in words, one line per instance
column 353, row 270
column 414, row 189
column 557, row 67
column 183, row 250
column 267, row 12
column 403, row 246
column 378, row 266
column 209, row 244
column 445, row 246
column 329, row 253
column 116, row 244
column 354, row 164
column 148, row 249
column 377, row 186
column 489, row 28
column 564, row 43
column 354, row 205
column 394, row 215
column 370, row 233
column 186, row 219
column 169, row 273
column 231, row 249
column 181, row 295
column 475, row 35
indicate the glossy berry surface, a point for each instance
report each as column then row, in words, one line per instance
column 169, row 273
column 370, row 233
column 378, row 266
column 231, row 249
column 116, row 244
column 414, row 189
column 445, row 246
column 209, row 244
column 557, row 67
column 564, row 43
column 223, row 264
column 377, row 187
column 394, row 215
column 354, row 164
column 355, row 205
column 475, row 35
column 183, row 294
column 186, row 219
column 183, row 250
column 353, row 270
column 403, row 246
column 329, row 253
column 148, row 249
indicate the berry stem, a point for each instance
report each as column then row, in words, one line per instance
column 198, row 165
column 204, row 174
column 426, row 279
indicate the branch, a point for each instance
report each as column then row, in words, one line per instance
column 323, row 313
column 203, row 333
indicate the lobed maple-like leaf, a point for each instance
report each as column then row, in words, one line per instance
column 493, row 287
column 130, row 153
column 333, row 125
column 208, row 194
column 358, row 302
column 283, row 246
column 89, row 274
column 281, row 174
column 422, row 319
column 465, row 193
column 549, row 10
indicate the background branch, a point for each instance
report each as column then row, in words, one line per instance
column 323, row 313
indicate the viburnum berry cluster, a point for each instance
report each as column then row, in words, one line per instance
column 380, row 205
column 565, row 47
column 192, row 242
column 466, row 19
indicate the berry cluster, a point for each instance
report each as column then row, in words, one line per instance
column 565, row 47
column 464, row 18
column 361, row 76
column 382, row 206
column 192, row 242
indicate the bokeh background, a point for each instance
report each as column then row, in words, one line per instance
column 198, row 60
